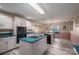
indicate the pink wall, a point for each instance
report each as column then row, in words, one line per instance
column 73, row 36
column 64, row 35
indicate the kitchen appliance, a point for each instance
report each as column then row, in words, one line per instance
column 21, row 33
column 49, row 40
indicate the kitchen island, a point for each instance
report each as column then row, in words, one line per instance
column 34, row 45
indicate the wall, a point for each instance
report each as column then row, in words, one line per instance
column 75, row 37
column 42, row 28
column 75, row 32
column 64, row 33
column 65, row 28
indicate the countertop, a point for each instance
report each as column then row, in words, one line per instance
column 5, row 34
column 32, row 40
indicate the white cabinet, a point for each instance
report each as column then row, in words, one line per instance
column 11, row 42
column 1, row 23
column 6, row 22
column 36, row 48
column 3, row 45
column 7, row 43
column 23, row 22
column 29, row 25
column 18, row 21
column 39, row 47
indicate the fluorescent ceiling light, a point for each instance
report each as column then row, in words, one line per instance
column 36, row 7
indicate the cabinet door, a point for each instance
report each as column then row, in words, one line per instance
column 29, row 25
column 8, row 23
column 11, row 42
column 3, row 44
column 23, row 22
column 5, row 24
column 17, row 21
column 39, row 46
column 1, row 23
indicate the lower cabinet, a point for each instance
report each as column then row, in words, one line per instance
column 7, row 43
column 3, row 45
column 36, row 48
column 11, row 42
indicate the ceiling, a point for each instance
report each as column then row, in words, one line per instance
column 53, row 11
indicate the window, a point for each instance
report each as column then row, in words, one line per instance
column 56, row 28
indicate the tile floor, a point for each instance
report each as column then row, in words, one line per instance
column 61, row 47
column 58, row 47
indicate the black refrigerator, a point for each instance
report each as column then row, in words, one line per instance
column 48, row 38
column 21, row 33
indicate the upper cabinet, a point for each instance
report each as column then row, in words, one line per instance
column 29, row 25
column 18, row 21
column 6, row 22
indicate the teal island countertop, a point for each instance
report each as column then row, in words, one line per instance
column 32, row 39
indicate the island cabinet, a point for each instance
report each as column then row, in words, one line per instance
column 33, row 48
column 7, row 43
column 39, row 47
